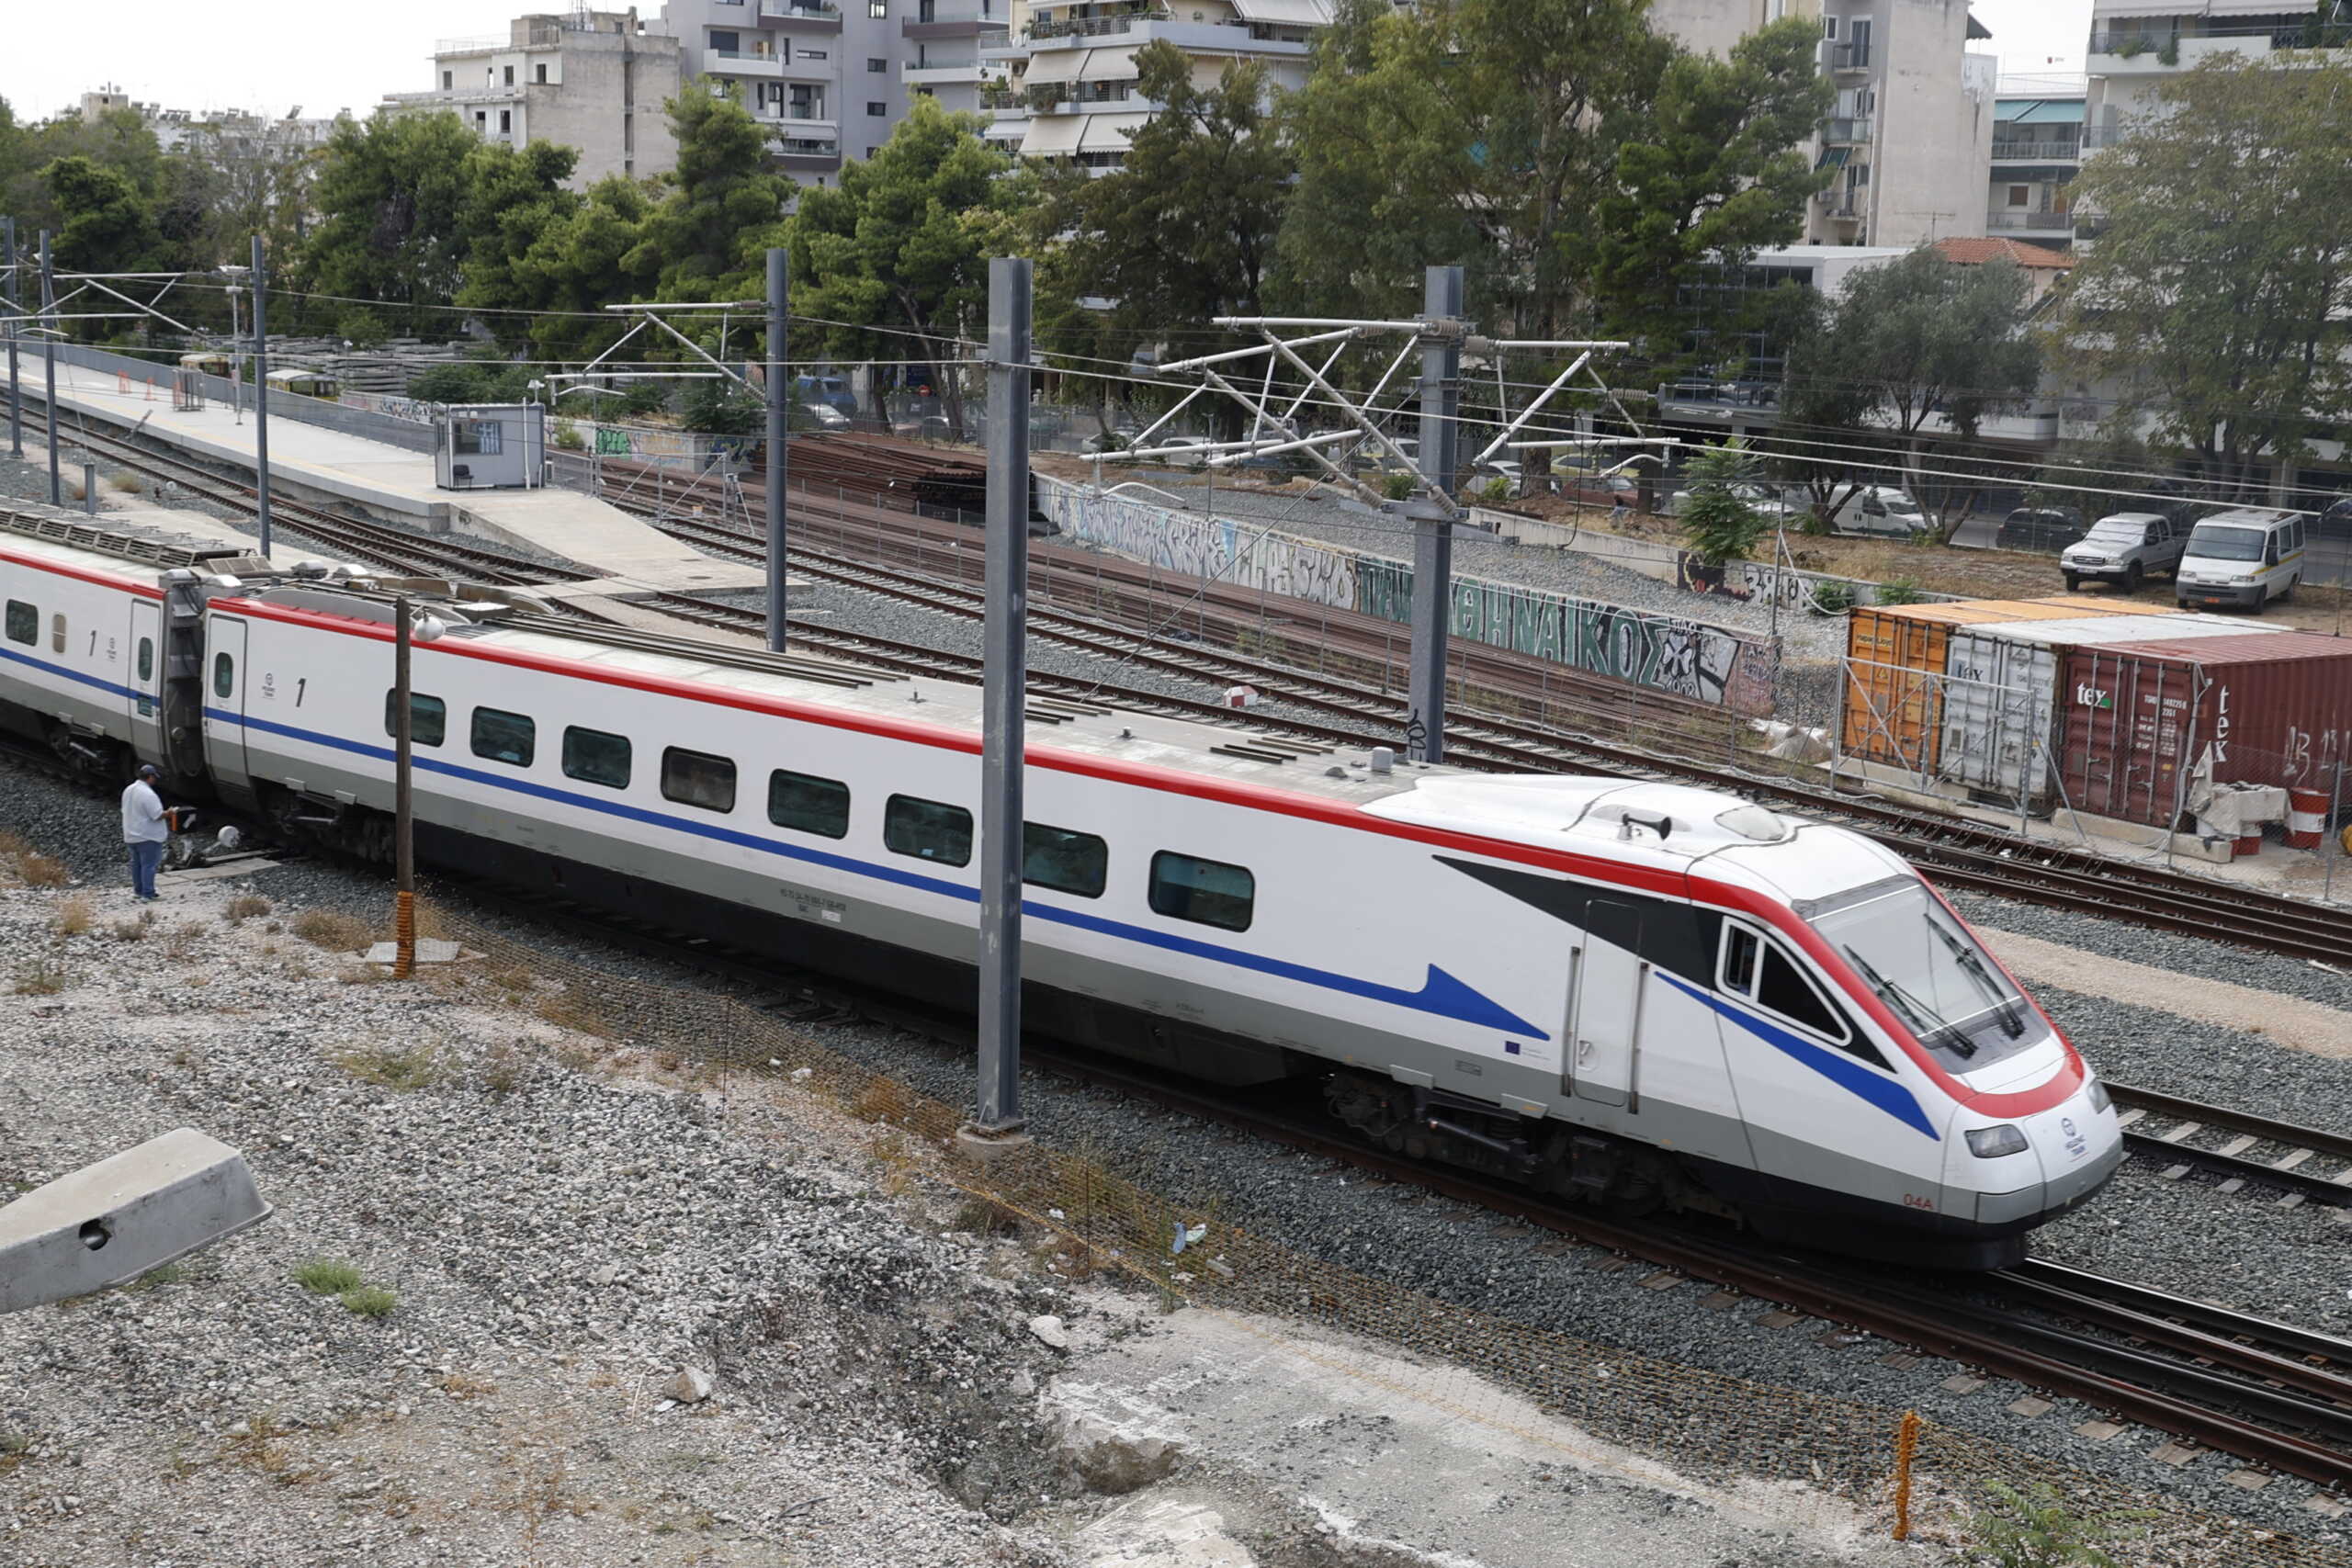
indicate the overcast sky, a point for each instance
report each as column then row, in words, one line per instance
column 273, row 55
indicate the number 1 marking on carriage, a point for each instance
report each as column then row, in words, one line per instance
column 301, row 685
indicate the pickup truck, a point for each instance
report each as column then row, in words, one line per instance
column 2123, row 547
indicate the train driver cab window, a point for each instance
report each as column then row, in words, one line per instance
column 428, row 719
column 1784, row 989
column 1762, row 971
column 927, row 829
column 146, row 659
column 697, row 778
column 224, row 675
column 505, row 736
column 24, row 623
column 594, row 757
column 1211, row 893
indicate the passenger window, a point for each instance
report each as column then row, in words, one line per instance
column 1784, row 989
column 428, row 719
column 927, row 829
column 698, row 778
column 57, row 633
column 1185, row 887
column 505, row 736
column 1064, row 860
column 24, row 623
column 224, row 674
column 1739, row 961
column 594, row 757
column 146, row 658
column 809, row 805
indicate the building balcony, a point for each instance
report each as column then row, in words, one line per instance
column 2069, row 151
column 940, row 76
column 1846, row 58
column 452, row 98
column 1853, row 132
column 1132, row 102
column 2146, row 54
column 737, row 63
column 817, row 127
column 802, row 16
column 2029, row 221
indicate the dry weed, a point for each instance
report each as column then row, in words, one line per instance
column 567, row 1012
column 73, row 916
column 335, row 930
column 43, row 978
column 38, row 870
column 882, row 1100
column 245, row 907
column 414, row 1068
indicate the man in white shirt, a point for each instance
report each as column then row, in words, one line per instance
column 146, row 828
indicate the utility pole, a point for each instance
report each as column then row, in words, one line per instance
column 49, row 368
column 1005, row 677
column 15, row 395
column 1432, row 521
column 403, row 817
column 777, row 459
column 261, row 397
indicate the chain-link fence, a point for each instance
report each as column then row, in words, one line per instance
column 1627, row 1410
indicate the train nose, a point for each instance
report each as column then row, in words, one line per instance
column 2079, row 1148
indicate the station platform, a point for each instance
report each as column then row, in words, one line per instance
column 312, row 462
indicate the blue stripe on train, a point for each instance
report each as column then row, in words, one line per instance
column 1441, row 994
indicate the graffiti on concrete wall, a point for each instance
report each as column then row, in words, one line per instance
column 414, row 410
column 1664, row 653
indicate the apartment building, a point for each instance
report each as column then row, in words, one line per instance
column 1911, row 132
column 2137, row 45
column 2037, row 152
column 830, row 78
column 1063, row 84
column 229, row 133
column 595, row 80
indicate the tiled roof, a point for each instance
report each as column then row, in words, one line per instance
column 1976, row 252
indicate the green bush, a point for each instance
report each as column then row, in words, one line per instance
column 1831, row 599
column 2034, row 1529
column 1900, row 591
column 369, row 1300
column 361, row 327
column 326, row 1277
column 568, row 437
column 1398, row 487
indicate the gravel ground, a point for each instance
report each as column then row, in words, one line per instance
column 2143, row 1229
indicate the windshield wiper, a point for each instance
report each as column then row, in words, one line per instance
column 1924, row 1019
column 2005, row 1004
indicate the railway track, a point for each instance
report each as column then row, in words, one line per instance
column 379, row 543
column 2306, row 1164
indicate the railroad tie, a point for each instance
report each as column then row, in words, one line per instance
column 2183, row 1132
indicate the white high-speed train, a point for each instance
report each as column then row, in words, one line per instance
column 1638, row 994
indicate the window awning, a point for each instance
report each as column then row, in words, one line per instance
column 1056, row 65
column 1109, row 132
column 1833, row 157
column 1287, row 13
column 2110, row 9
column 2039, row 111
column 1109, row 65
column 1050, row 137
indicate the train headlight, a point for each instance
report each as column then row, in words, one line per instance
column 1992, row 1143
column 2100, row 1101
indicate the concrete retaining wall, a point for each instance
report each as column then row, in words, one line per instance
column 404, row 434
column 1750, row 582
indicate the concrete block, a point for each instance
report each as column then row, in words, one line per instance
column 1161, row 1532
column 113, row 1221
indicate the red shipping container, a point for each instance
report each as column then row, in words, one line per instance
column 2270, row 708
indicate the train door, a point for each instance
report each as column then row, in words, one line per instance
column 1608, row 1006
column 146, row 681
column 224, row 699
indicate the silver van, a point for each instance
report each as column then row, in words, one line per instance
column 2244, row 558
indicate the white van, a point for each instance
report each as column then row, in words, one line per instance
column 2248, row 556
column 1880, row 510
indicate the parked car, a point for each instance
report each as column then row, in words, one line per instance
column 2247, row 558
column 831, row 391
column 2045, row 530
column 823, row 416
column 1182, row 459
column 2124, row 546
column 1513, row 476
column 2336, row 523
column 1880, row 511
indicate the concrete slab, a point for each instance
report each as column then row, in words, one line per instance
column 399, row 486
column 1403, row 1460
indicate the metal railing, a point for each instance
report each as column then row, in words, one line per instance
column 1854, row 129
column 2028, row 218
column 2065, row 152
